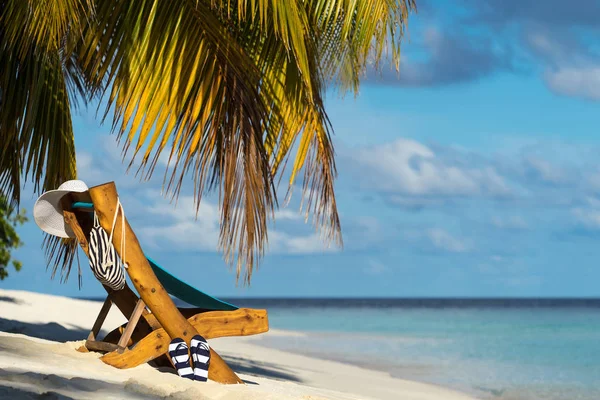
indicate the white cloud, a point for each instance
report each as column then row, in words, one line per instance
column 575, row 81
column 589, row 218
column 513, row 222
column 284, row 243
column 89, row 170
column 409, row 168
column 588, row 215
column 414, row 202
column 285, row 214
column 180, row 228
column 408, row 174
column 522, row 281
column 375, row 267
column 546, row 171
column 106, row 164
column 594, row 180
column 444, row 241
column 543, row 45
column 592, row 202
column 571, row 67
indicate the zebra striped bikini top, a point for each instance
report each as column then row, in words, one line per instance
column 104, row 261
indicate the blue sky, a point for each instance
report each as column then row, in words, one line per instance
column 474, row 173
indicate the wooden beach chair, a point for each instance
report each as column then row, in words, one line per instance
column 153, row 318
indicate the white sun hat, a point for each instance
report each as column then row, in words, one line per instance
column 48, row 211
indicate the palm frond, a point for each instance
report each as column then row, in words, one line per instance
column 353, row 34
column 43, row 26
column 179, row 78
column 35, row 124
column 60, row 256
column 231, row 87
column 35, row 109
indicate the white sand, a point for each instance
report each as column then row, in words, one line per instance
column 34, row 368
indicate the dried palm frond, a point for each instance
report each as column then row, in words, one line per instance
column 60, row 255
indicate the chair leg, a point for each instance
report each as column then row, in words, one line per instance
column 133, row 320
column 100, row 319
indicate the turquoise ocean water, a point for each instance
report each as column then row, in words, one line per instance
column 515, row 350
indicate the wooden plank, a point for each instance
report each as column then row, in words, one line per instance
column 211, row 324
column 71, row 220
column 96, row 345
column 135, row 317
column 155, row 296
column 114, row 335
column 100, row 319
column 240, row 322
column 125, row 299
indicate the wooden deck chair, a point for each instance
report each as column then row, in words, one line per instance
column 153, row 318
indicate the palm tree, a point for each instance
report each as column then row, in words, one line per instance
column 231, row 89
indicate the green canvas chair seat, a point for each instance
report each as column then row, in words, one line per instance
column 185, row 292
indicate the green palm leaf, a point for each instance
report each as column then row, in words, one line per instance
column 38, row 73
column 228, row 88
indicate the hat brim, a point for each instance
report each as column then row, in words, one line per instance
column 48, row 214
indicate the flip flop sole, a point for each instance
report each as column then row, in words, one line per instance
column 178, row 351
column 201, row 355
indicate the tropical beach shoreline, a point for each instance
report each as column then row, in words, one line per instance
column 39, row 335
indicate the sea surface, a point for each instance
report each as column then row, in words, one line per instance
column 503, row 349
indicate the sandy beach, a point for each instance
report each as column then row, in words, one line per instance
column 39, row 335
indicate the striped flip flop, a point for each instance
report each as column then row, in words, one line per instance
column 201, row 356
column 178, row 351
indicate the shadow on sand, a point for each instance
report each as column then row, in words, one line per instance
column 7, row 392
column 9, row 299
column 58, row 333
column 50, row 331
column 260, row 369
column 32, row 385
